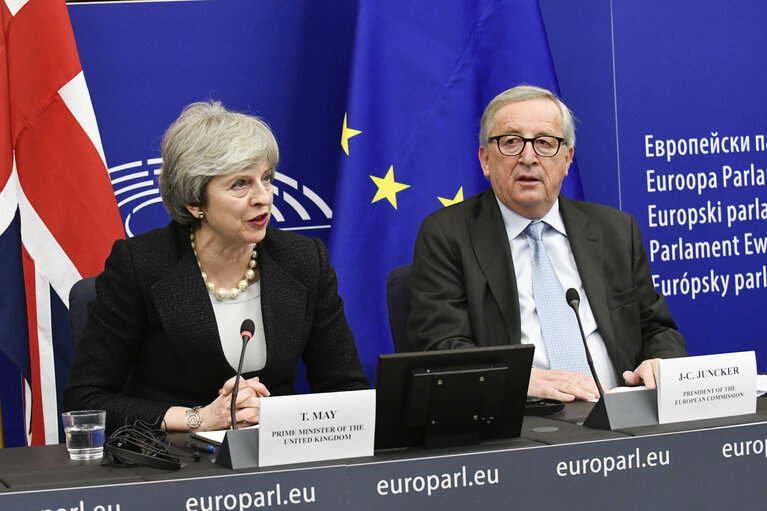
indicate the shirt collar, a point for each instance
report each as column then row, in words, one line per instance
column 515, row 223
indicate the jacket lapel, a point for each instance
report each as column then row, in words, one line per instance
column 588, row 251
column 185, row 311
column 283, row 308
column 491, row 248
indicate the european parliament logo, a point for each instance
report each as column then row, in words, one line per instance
column 296, row 207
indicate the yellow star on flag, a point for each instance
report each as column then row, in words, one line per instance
column 387, row 187
column 449, row 202
column 346, row 134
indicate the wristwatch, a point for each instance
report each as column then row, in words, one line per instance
column 193, row 417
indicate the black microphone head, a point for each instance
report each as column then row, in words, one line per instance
column 573, row 298
column 247, row 328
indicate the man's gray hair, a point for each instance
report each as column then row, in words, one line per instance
column 207, row 140
column 524, row 93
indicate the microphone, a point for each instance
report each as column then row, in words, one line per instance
column 574, row 300
column 246, row 331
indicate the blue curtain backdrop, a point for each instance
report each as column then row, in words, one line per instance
column 422, row 72
column 421, row 77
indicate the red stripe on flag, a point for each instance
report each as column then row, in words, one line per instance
column 67, row 184
column 60, row 171
column 38, row 421
column 6, row 142
column 42, row 57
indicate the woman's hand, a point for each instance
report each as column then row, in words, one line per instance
column 249, row 394
column 217, row 414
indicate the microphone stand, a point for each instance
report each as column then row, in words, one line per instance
column 240, row 446
column 575, row 302
column 615, row 410
column 233, row 407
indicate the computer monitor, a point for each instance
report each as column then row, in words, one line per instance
column 451, row 397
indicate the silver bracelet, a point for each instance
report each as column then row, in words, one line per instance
column 193, row 418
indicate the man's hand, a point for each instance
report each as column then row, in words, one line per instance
column 646, row 373
column 562, row 385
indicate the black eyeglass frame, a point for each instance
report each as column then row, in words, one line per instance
column 498, row 138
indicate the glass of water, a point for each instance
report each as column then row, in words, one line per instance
column 85, row 433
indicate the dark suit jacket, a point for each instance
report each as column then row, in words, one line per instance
column 464, row 288
column 151, row 339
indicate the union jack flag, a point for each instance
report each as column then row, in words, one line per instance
column 58, row 213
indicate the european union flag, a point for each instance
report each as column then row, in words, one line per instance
column 422, row 75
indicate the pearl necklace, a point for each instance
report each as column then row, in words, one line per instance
column 223, row 293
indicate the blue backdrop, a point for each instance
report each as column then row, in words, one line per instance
column 641, row 73
column 631, row 69
column 287, row 62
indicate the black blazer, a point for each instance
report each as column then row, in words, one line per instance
column 464, row 287
column 151, row 340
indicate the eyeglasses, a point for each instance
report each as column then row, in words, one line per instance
column 513, row 145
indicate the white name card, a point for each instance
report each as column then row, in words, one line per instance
column 316, row 427
column 706, row 386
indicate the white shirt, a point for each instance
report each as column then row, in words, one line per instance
column 561, row 256
column 230, row 314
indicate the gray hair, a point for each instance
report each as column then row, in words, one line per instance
column 207, row 140
column 524, row 93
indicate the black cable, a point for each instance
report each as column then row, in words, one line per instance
column 144, row 444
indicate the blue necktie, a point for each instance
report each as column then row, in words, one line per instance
column 559, row 327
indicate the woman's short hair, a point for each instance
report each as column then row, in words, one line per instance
column 207, row 140
column 524, row 93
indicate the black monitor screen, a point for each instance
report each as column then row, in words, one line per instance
column 451, row 397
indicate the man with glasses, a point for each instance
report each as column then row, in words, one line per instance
column 494, row 269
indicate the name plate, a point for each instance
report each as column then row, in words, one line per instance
column 707, row 386
column 316, row 427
